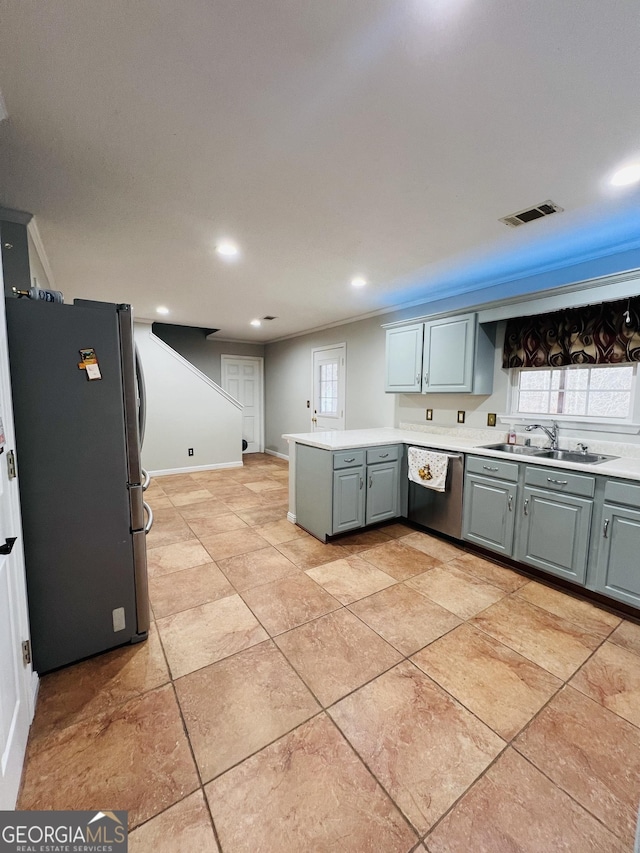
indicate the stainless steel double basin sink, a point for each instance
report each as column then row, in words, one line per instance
column 559, row 455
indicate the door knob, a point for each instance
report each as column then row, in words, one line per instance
column 7, row 548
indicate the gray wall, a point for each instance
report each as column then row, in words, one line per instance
column 288, row 380
column 193, row 345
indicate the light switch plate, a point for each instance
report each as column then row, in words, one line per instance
column 429, row 416
column 461, row 415
column 491, row 419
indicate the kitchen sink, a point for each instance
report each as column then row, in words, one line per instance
column 519, row 449
column 574, row 456
column 559, row 455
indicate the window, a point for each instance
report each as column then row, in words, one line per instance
column 584, row 392
column 328, row 388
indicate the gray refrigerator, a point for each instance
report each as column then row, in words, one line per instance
column 78, row 401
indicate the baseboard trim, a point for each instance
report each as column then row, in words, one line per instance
column 279, row 455
column 291, row 516
column 193, row 468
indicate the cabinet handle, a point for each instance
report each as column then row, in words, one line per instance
column 383, row 455
column 417, row 378
column 605, row 529
column 557, row 482
column 361, row 482
column 370, row 482
column 352, row 459
column 510, row 503
column 426, row 379
column 526, row 507
column 488, row 468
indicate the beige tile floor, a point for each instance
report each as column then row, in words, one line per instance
column 387, row 693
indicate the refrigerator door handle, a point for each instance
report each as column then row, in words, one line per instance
column 142, row 396
column 149, row 523
column 147, row 480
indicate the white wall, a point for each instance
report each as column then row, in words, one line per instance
column 193, row 344
column 185, row 409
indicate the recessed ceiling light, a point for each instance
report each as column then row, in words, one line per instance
column 227, row 249
column 627, row 175
column 256, row 323
column 358, row 281
column 161, row 309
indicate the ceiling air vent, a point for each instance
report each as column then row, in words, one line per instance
column 523, row 216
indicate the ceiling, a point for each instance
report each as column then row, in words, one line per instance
column 329, row 139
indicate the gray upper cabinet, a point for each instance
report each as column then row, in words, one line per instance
column 404, row 359
column 447, row 360
column 618, row 564
column 447, row 355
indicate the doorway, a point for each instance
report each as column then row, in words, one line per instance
column 243, row 377
column 329, row 370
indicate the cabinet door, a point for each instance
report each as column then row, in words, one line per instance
column 348, row 499
column 404, row 359
column 618, row 573
column 447, row 362
column 382, row 492
column 555, row 533
column 489, row 512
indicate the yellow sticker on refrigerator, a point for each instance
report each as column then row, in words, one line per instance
column 89, row 363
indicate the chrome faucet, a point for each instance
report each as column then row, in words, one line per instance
column 552, row 433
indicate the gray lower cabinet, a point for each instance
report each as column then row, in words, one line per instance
column 489, row 512
column 618, row 564
column 555, row 521
column 345, row 490
column 554, row 535
column 382, row 491
column 348, row 499
column 490, row 499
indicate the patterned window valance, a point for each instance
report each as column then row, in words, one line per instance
column 596, row 334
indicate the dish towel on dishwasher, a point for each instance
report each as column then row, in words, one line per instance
column 428, row 469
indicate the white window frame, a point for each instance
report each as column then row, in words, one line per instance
column 630, row 424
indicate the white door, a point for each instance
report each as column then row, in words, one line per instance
column 329, row 366
column 16, row 678
column 242, row 378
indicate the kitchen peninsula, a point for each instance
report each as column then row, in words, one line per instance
column 574, row 520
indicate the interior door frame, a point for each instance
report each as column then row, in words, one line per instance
column 260, row 361
column 342, row 373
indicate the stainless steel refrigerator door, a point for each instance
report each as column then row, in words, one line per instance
column 130, row 395
column 142, row 583
column 84, row 587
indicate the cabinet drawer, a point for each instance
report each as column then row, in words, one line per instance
column 383, row 454
column 559, row 480
column 348, row 459
column 489, row 467
column 622, row 493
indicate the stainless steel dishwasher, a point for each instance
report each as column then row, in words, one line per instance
column 441, row 511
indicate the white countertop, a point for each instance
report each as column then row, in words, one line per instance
column 623, row 467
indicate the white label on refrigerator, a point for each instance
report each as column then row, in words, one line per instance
column 119, row 622
column 93, row 371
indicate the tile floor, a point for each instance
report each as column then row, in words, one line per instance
column 388, row 693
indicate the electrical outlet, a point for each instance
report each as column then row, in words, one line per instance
column 491, row 419
column 429, row 415
column 190, row 451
